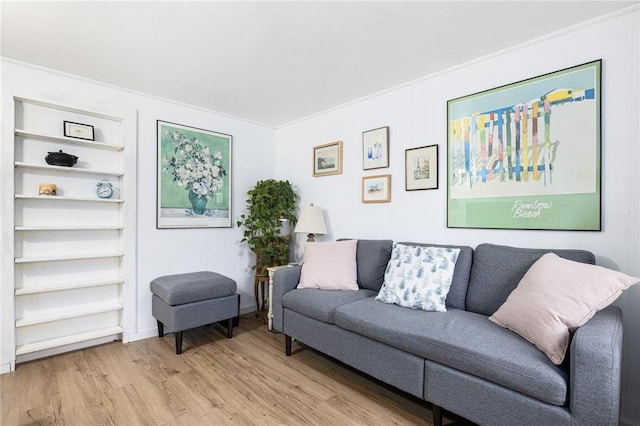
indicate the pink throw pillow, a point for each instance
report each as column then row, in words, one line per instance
column 557, row 296
column 330, row 266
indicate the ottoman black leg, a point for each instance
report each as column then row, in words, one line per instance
column 178, row 342
column 160, row 329
column 230, row 328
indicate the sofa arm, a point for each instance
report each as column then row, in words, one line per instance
column 596, row 358
column 284, row 280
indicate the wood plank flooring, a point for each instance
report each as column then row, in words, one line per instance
column 245, row 380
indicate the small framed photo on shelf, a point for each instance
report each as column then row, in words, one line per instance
column 375, row 148
column 421, row 168
column 327, row 159
column 376, row 189
column 78, row 130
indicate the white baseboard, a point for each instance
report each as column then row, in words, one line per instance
column 7, row 368
column 141, row 335
column 247, row 309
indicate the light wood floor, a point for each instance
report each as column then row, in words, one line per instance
column 245, row 380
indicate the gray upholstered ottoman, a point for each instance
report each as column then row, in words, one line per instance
column 185, row 301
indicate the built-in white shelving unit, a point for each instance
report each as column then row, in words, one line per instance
column 73, row 253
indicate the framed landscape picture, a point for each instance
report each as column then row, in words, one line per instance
column 421, row 168
column 194, row 177
column 376, row 189
column 527, row 155
column 375, row 148
column 327, row 159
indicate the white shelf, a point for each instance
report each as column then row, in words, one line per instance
column 67, row 340
column 68, row 314
column 32, row 259
column 72, row 253
column 64, row 139
column 69, row 228
column 48, row 167
column 68, row 108
column 65, row 198
column 68, row 286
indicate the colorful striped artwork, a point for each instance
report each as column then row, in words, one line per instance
column 520, row 144
column 480, row 162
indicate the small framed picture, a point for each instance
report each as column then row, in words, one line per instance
column 376, row 189
column 421, row 168
column 375, row 148
column 78, row 130
column 327, row 159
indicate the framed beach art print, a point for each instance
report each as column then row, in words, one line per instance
column 527, row 155
column 376, row 189
column 194, row 177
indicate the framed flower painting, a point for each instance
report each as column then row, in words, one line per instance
column 194, row 177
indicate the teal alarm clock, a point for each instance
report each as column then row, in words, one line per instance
column 104, row 189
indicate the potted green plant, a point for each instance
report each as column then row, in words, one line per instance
column 270, row 203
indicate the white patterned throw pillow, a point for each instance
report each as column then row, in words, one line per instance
column 419, row 277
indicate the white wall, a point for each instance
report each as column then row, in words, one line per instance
column 166, row 251
column 416, row 115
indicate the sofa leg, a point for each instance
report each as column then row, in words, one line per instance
column 287, row 345
column 437, row 415
column 178, row 342
column 160, row 329
column 229, row 328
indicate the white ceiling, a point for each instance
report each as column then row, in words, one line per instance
column 273, row 62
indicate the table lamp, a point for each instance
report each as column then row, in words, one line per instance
column 311, row 222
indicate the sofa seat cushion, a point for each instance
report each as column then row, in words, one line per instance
column 463, row 340
column 320, row 304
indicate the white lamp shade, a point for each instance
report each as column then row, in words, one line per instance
column 311, row 221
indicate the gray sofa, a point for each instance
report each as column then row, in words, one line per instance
column 459, row 360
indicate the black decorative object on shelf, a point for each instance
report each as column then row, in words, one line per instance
column 61, row 159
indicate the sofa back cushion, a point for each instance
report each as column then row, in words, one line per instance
column 458, row 290
column 372, row 257
column 497, row 270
